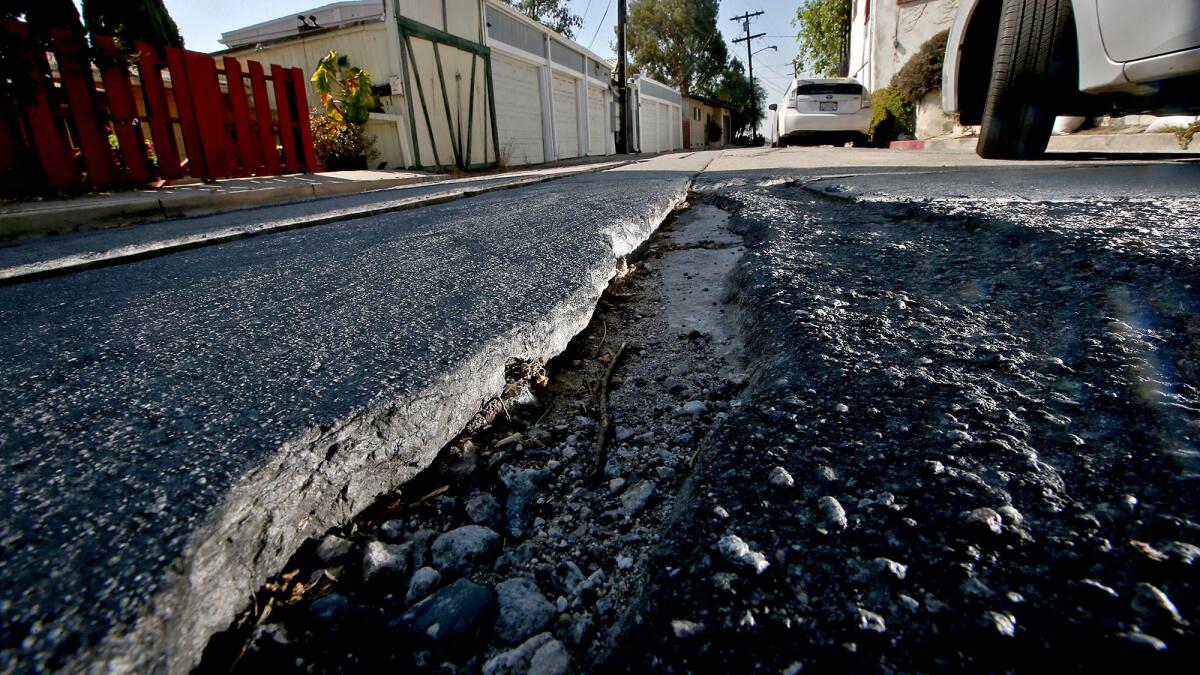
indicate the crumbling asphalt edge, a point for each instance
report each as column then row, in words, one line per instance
column 327, row 475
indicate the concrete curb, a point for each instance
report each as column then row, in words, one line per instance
column 127, row 254
column 67, row 218
column 1124, row 143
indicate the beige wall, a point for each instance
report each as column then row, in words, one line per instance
column 366, row 45
column 881, row 43
column 696, row 129
column 374, row 46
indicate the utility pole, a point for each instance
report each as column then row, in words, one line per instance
column 622, row 88
column 745, row 18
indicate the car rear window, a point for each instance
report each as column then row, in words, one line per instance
column 829, row 88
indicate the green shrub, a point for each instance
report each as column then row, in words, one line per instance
column 1185, row 134
column 922, row 73
column 891, row 114
column 345, row 89
column 336, row 140
column 712, row 131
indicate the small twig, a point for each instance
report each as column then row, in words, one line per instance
column 549, row 407
column 603, row 337
column 602, row 406
column 431, row 495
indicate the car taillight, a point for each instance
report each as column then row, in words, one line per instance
column 866, row 101
column 792, row 102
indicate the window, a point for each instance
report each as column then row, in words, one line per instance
column 815, row 89
column 696, row 114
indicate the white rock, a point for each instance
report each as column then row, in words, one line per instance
column 523, row 610
column 424, row 581
column 516, row 661
column 987, row 518
column 833, row 515
column 738, row 552
column 385, row 560
column 551, row 658
column 333, row 547
column 780, row 478
column 686, row 629
column 460, row 549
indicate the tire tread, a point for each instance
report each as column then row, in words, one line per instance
column 1028, row 72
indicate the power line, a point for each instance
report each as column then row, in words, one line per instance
column 601, row 24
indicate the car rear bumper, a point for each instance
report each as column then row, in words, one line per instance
column 793, row 122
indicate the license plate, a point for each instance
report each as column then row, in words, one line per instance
column 829, row 107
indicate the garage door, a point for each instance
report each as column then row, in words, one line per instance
column 518, row 110
column 597, row 139
column 649, row 126
column 566, row 121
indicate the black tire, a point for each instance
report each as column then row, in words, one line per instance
column 1031, row 69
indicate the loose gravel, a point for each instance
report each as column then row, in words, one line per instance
column 991, row 413
column 524, row 544
column 964, row 439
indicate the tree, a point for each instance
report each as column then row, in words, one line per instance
column 552, row 13
column 734, row 88
column 129, row 20
column 43, row 14
column 677, row 42
column 823, row 38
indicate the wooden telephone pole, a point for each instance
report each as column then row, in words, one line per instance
column 622, row 85
column 745, row 18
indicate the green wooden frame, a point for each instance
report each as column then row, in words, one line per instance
column 409, row 30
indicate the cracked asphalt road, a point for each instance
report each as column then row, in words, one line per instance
column 988, row 406
column 262, row 390
column 990, row 409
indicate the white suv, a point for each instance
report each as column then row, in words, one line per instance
column 834, row 109
column 1013, row 65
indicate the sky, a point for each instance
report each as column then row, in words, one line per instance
column 203, row 21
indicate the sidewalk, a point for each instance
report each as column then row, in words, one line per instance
column 1080, row 142
column 21, row 220
column 30, row 259
column 95, row 212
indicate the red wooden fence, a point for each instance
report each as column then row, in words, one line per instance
column 107, row 119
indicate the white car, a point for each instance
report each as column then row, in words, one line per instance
column 829, row 110
column 1013, row 65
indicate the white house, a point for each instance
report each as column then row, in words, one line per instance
column 469, row 83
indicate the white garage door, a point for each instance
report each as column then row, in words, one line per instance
column 566, row 121
column 649, row 126
column 518, row 110
column 597, row 139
